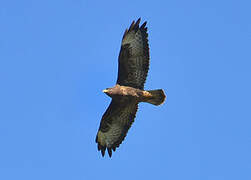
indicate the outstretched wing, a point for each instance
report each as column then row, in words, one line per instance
column 115, row 124
column 134, row 56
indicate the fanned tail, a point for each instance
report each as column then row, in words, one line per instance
column 158, row 97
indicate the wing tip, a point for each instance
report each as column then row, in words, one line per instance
column 104, row 148
column 103, row 152
column 109, row 152
column 143, row 26
column 131, row 26
column 135, row 26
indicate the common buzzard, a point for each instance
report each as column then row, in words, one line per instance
column 129, row 89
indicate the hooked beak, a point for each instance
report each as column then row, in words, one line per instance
column 105, row 91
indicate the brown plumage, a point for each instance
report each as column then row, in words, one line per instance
column 129, row 89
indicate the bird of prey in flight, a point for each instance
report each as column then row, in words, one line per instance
column 133, row 65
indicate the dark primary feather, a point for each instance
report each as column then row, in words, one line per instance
column 134, row 56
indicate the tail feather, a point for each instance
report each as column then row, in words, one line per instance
column 157, row 97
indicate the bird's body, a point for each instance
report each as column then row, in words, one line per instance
column 125, row 93
column 129, row 89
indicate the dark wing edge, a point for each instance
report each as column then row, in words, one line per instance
column 134, row 56
column 114, row 126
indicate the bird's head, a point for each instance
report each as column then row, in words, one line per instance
column 112, row 91
column 108, row 91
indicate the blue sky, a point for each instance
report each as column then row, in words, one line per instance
column 57, row 56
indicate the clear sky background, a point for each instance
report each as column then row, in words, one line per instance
column 56, row 57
